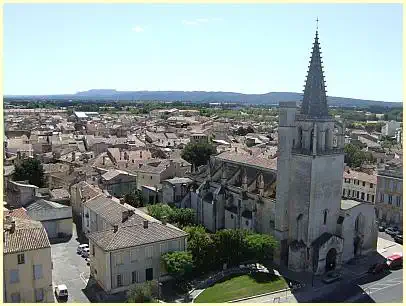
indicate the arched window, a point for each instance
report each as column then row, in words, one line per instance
column 325, row 216
column 311, row 140
column 299, row 227
column 299, row 137
column 327, row 140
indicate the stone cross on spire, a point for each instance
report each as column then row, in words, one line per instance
column 314, row 103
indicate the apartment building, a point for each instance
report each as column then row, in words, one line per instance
column 27, row 260
column 359, row 186
column 389, row 195
column 129, row 255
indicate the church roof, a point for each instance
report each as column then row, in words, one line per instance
column 314, row 103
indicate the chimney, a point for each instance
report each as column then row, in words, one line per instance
column 124, row 216
column 115, row 228
column 13, row 227
column 145, row 223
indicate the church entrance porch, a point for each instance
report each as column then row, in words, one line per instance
column 331, row 260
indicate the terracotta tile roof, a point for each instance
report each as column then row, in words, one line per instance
column 130, row 236
column 28, row 235
column 18, row 213
column 248, row 160
column 362, row 176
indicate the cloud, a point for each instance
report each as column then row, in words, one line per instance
column 199, row 21
column 138, row 29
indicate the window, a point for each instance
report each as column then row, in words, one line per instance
column 232, row 216
column 93, row 252
column 394, row 186
column 163, row 248
column 37, row 271
column 325, row 217
column 363, row 184
column 14, row 276
column 357, row 194
column 148, row 251
column 247, row 223
column 373, row 199
column 119, row 280
column 353, row 193
column 371, row 185
column 398, row 201
column 39, row 295
column 349, row 192
column 368, row 197
column 134, row 255
column 390, row 199
column 119, row 259
column 20, row 259
column 362, row 195
column 357, row 182
column 382, row 197
column 134, row 277
column 15, row 297
column 149, row 274
column 343, row 192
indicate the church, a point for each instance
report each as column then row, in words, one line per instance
column 294, row 195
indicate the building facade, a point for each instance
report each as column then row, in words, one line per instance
column 359, row 186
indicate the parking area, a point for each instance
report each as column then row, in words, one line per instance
column 70, row 268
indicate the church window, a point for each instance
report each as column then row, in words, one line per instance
column 311, row 140
column 308, row 253
column 300, row 137
column 390, row 199
column 325, row 217
column 299, row 229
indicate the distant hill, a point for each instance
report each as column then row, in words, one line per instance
column 205, row 97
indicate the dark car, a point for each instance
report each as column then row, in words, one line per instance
column 378, row 268
column 399, row 239
column 331, row 277
column 381, row 228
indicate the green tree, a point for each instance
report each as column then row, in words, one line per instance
column 143, row 293
column 229, row 245
column 160, row 211
column 134, row 198
column 260, row 246
column 198, row 153
column 201, row 246
column 182, row 216
column 30, row 170
column 355, row 157
column 178, row 264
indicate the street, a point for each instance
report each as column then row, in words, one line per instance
column 70, row 268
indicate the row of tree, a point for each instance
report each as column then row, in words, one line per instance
column 180, row 217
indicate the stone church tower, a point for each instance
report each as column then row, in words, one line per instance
column 310, row 171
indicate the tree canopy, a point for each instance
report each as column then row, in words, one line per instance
column 178, row 264
column 134, row 198
column 180, row 216
column 198, row 153
column 354, row 157
column 143, row 293
column 30, row 170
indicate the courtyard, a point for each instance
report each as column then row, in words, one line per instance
column 241, row 286
column 70, row 268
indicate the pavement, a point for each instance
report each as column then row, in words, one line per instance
column 70, row 268
column 356, row 286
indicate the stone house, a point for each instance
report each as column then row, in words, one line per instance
column 20, row 194
column 118, row 183
column 359, row 186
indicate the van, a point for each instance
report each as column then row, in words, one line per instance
column 394, row 261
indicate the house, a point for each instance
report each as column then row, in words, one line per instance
column 390, row 127
column 56, row 218
column 118, row 183
column 123, row 256
column 174, row 190
column 359, row 186
column 27, row 262
column 20, row 194
column 79, row 194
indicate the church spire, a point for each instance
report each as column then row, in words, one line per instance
column 314, row 101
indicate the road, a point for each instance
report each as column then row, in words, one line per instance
column 70, row 269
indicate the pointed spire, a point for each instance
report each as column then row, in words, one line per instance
column 314, row 101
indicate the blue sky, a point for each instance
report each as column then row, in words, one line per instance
column 248, row 48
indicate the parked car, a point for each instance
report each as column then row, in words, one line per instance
column 81, row 247
column 381, row 228
column 331, row 277
column 85, row 252
column 391, row 231
column 394, row 261
column 377, row 268
column 61, row 291
column 399, row 239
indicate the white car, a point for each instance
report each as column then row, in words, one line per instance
column 61, row 291
column 81, row 248
column 85, row 252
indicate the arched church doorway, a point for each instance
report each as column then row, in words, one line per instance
column 331, row 260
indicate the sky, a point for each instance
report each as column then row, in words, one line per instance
column 246, row 48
